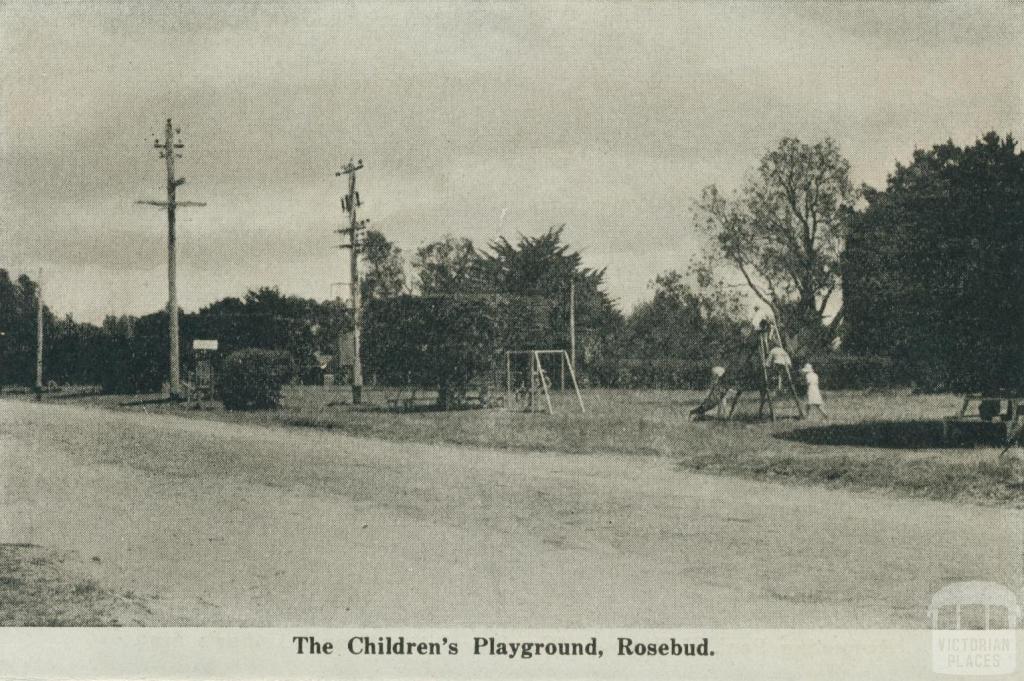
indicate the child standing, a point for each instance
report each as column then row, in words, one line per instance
column 815, row 402
column 779, row 363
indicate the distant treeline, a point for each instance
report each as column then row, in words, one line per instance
column 929, row 272
column 130, row 354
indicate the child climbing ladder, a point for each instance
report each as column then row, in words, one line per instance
column 771, row 364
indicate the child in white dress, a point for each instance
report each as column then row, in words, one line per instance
column 815, row 402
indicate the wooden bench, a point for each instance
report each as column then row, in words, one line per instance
column 481, row 395
column 401, row 401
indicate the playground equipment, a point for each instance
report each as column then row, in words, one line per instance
column 989, row 419
column 534, row 381
column 1015, row 436
column 772, row 377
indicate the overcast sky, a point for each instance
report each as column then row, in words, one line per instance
column 472, row 119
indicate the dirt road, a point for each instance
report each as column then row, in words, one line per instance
column 221, row 524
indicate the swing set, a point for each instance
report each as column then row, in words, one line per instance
column 533, row 381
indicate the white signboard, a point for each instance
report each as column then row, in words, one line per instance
column 204, row 344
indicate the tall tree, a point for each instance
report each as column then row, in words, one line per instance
column 686, row 321
column 934, row 264
column 441, row 341
column 784, row 232
column 383, row 274
column 451, row 265
column 535, row 276
column 18, row 326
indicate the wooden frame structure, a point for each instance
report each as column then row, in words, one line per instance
column 768, row 337
column 538, row 379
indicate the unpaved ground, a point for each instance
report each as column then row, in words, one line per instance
column 226, row 524
column 43, row 587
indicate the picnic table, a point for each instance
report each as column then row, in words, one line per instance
column 475, row 395
column 1003, row 424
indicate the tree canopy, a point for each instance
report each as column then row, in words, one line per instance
column 934, row 265
column 685, row 322
column 443, row 342
column 450, row 265
column 784, row 232
column 383, row 269
column 535, row 276
column 18, row 326
column 529, row 281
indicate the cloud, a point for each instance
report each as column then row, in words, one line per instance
column 607, row 117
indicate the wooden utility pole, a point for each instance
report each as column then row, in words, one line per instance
column 572, row 321
column 169, row 150
column 39, row 337
column 349, row 203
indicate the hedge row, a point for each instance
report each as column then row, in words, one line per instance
column 836, row 372
column 848, row 372
column 645, row 374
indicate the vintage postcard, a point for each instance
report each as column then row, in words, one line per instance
column 523, row 340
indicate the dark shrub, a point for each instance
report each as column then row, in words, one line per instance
column 134, row 365
column 445, row 342
column 850, row 372
column 640, row 374
column 252, row 379
column 933, row 267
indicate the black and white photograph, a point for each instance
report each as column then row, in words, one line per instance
column 521, row 340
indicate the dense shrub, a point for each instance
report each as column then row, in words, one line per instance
column 444, row 342
column 252, row 379
column 132, row 357
column 642, row 374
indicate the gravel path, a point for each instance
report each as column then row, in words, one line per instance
column 222, row 524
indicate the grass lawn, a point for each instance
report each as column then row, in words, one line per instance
column 888, row 440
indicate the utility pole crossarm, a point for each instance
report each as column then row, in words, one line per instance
column 349, row 168
column 363, row 224
column 177, row 204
